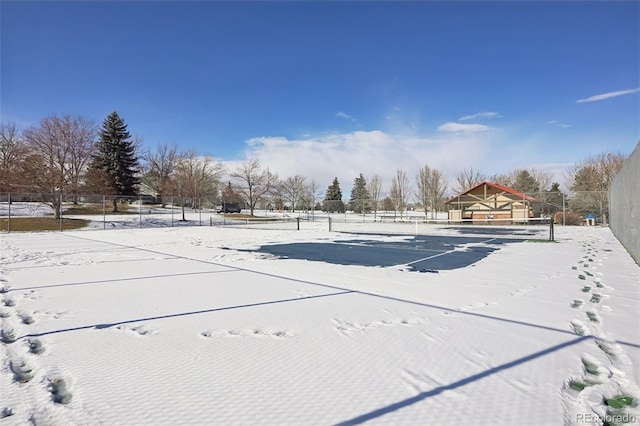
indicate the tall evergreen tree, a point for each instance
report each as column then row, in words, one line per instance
column 524, row 182
column 333, row 198
column 360, row 201
column 114, row 167
column 554, row 198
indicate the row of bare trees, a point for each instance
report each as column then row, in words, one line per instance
column 170, row 172
column 54, row 156
column 47, row 159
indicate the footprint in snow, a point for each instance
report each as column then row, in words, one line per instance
column 595, row 373
column 22, row 369
column 36, row 346
column 141, row 330
column 611, row 349
column 579, row 328
column 26, row 318
column 594, row 317
column 60, row 392
column 577, row 303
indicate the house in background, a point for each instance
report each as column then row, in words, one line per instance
column 489, row 202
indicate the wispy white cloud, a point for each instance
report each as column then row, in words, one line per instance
column 608, row 95
column 463, row 128
column 322, row 157
column 487, row 114
column 346, row 116
column 559, row 124
column 368, row 152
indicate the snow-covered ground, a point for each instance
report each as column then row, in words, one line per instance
column 187, row 325
column 146, row 216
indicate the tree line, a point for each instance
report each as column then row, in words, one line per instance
column 64, row 157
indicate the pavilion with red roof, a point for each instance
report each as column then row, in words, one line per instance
column 489, row 202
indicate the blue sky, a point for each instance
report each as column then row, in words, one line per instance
column 337, row 88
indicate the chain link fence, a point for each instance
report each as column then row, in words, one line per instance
column 35, row 212
column 30, row 211
column 577, row 208
column 625, row 205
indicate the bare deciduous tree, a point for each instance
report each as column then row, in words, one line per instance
column 544, row 178
column 196, row 177
column 13, row 151
column 375, row 192
column 502, row 179
column 160, row 167
column 590, row 183
column 311, row 196
column 400, row 191
column 58, row 153
column 83, row 131
column 292, row 190
column 468, row 178
column 431, row 188
column 253, row 182
column 276, row 197
column 597, row 172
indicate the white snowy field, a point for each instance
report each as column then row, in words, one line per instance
column 168, row 326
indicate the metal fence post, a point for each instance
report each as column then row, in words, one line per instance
column 172, row 212
column 60, row 207
column 104, row 212
column 140, row 209
column 9, row 221
column 329, row 223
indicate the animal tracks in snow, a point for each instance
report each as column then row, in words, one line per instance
column 347, row 327
column 141, row 330
column 470, row 308
column 523, row 291
column 250, row 332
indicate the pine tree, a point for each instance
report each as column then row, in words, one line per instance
column 527, row 184
column 554, row 198
column 114, row 167
column 360, row 200
column 333, row 198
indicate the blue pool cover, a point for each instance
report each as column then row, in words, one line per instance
column 420, row 253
